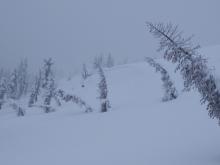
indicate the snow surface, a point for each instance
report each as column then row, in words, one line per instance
column 140, row 129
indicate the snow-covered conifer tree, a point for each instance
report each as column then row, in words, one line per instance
column 75, row 99
column 45, row 87
column 3, row 90
column 18, row 81
column 103, row 91
column 47, row 72
column 98, row 61
column 48, row 84
column 21, row 111
column 170, row 90
column 190, row 63
column 13, row 85
column 36, row 90
column 22, row 78
column 85, row 73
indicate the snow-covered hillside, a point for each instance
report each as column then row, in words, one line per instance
column 139, row 129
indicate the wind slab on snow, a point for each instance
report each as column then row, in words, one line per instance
column 139, row 129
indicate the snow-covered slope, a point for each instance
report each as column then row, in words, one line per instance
column 138, row 130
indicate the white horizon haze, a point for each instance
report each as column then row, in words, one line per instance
column 74, row 32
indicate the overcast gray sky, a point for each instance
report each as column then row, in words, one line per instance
column 73, row 31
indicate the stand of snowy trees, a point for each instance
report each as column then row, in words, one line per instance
column 42, row 91
column 14, row 85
